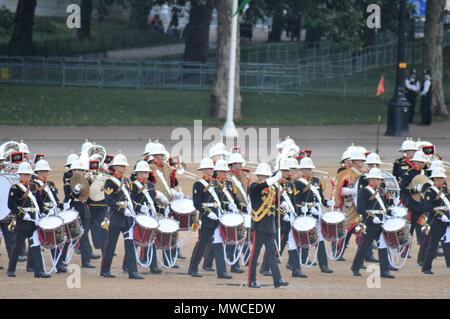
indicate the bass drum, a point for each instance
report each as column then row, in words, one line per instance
column 6, row 181
column 96, row 192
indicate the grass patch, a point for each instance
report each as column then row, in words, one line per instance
column 54, row 105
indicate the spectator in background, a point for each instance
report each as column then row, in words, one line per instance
column 156, row 24
column 174, row 23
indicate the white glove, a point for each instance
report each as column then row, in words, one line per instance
column 51, row 212
column 445, row 219
column 418, row 188
column 286, row 218
column 232, row 207
column 213, row 216
column 127, row 213
column 304, row 209
column 162, row 198
column 331, row 203
column 144, row 210
column 314, row 211
column 27, row 217
column 175, row 194
column 284, row 206
column 272, row 180
column 77, row 188
column 66, row 206
column 347, row 191
column 376, row 220
column 396, row 201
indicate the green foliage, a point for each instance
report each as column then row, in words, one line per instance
column 45, row 27
column 6, row 21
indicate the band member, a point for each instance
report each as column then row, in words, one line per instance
column 24, row 206
column 372, row 208
column 117, row 195
column 263, row 197
column 437, row 205
column 310, row 200
column 426, row 98
column 345, row 193
column 48, row 201
column 410, row 194
column 403, row 164
column 240, row 181
column 412, row 87
column 164, row 179
column 144, row 197
column 345, row 161
column 72, row 199
column 207, row 203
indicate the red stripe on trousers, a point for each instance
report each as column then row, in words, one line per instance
column 251, row 256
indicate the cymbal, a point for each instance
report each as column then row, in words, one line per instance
column 82, row 180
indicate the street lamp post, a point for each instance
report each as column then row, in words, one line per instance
column 398, row 108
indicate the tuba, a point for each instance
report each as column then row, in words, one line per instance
column 96, row 153
column 6, row 150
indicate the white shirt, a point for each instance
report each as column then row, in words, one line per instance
column 412, row 87
column 426, row 87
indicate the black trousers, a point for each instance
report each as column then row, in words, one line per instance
column 415, row 216
column 84, row 243
column 9, row 238
column 34, row 255
column 321, row 254
column 284, row 236
column 231, row 255
column 437, row 230
column 268, row 240
column 372, row 233
column 98, row 213
column 411, row 96
column 425, row 109
column 110, row 247
column 208, row 256
column 205, row 237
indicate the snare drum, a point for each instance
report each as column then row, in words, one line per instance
column 51, row 232
column 72, row 224
column 167, row 233
column 396, row 232
column 399, row 212
column 183, row 210
column 305, row 231
column 248, row 226
column 333, row 226
column 232, row 228
column 6, row 181
column 144, row 231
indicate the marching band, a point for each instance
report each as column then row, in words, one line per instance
column 235, row 212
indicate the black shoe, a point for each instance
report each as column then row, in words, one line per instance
column 88, row 265
column 61, row 269
column 254, row 284
column 208, row 269
column 95, row 257
column 280, row 283
column 195, row 274
column 174, row 266
column 428, row 272
column 30, row 269
column 180, row 256
column 237, row 270
column 340, row 259
column 135, row 275
column 298, row 274
column 21, row 259
column 326, row 270
column 363, row 267
column 155, row 270
column 41, row 275
column 266, row 273
column 107, row 274
column 391, row 268
column 289, row 267
column 356, row 273
column 387, row 275
column 225, row 275
column 11, row 274
column 371, row 259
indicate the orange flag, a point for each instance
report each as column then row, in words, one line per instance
column 380, row 88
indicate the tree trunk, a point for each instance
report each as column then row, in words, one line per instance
column 197, row 31
column 21, row 41
column 277, row 25
column 433, row 53
column 139, row 13
column 218, row 106
column 86, row 7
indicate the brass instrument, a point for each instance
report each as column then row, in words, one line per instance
column 82, row 180
column 96, row 153
column 418, row 180
column 6, row 149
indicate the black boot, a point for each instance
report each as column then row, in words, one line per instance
column 384, row 263
column 446, row 249
column 322, row 257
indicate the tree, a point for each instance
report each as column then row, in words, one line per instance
column 218, row 106
column 197, row 31
column 86, row 7
column 139, row 13
column 433, row 53
column 21, row 41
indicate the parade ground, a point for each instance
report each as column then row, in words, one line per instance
column 327, row 144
